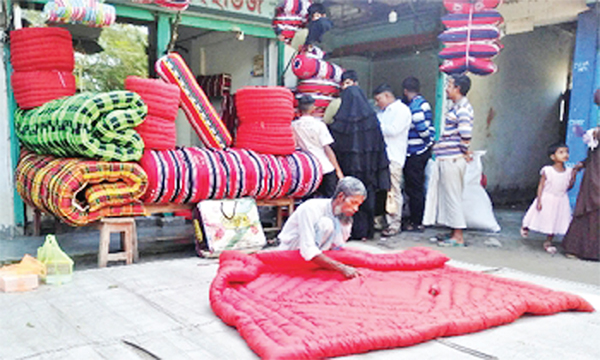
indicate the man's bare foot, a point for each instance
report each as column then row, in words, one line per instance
column 524, row 232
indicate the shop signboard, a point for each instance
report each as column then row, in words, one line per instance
column 260, row 8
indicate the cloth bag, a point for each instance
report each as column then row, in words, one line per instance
column 477, row 206
column 231, row 224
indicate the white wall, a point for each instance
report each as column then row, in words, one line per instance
column 221, row 52
column 523, row 97
column 517, row 109
column 7, row 216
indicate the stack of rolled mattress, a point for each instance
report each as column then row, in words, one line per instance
column 265, row 115
column 43, row 62
column 189, row 175
column 95, row 126
column 162, row 99
column 80, row 191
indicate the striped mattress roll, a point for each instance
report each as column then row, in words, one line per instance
column 274, row 174
column 251, row 168
column 306, row 174
column 199, row 111
column 235, row 173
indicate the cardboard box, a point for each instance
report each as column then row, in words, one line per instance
column 18, row 282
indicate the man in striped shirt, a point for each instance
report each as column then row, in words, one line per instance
column 420, row 140
column 452, row 154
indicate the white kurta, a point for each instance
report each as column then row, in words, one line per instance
column 313, row 228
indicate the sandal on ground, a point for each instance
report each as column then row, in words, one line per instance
column 416, row 228
column 440, row 237
column 389, row 232
column 571, row 256
column 450, row 243
column 524, row 232
column 550, row 249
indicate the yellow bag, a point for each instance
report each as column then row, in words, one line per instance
column 59, row 266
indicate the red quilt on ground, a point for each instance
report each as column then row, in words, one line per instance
column 286, row 308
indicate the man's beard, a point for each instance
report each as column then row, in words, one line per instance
column 337, row 212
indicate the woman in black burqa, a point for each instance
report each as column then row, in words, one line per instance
column 360, row 150
column 582, row 240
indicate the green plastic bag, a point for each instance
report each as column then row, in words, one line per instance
column 59, row 266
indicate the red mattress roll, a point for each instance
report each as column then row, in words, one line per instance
column 475, row 32
column 35, row 88
column 474, row 65
column 158, row 133
column 42, row 49
column 466, row 6
column 266, row 138
column 161, row 98
column 486, row 17
column 306, row 67
column 269, row 104
column 317, row 86
column 477, row 50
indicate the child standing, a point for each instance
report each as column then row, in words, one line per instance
column 313, row 136
column 550, row 212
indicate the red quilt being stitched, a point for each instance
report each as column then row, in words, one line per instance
column 287, row 308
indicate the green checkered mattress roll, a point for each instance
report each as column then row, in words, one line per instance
column 91, row 125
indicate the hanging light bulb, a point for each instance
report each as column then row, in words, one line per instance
column 393, row 16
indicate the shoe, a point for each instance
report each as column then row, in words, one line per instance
column 450, row 243
column 389, row 232
column 417, row 228
column 550, row 249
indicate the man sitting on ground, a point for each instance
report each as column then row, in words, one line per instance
column 324, row 224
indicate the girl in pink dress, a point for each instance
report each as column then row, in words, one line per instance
column 550, row 212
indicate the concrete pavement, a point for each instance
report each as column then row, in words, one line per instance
column 160, row 309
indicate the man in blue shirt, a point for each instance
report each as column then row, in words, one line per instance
column 420, row 140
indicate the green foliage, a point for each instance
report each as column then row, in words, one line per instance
column 124, row 54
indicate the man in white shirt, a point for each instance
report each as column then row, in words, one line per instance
column 324, row 224
column 394, row 118
column 312, row 135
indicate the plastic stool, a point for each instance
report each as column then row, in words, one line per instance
column 127, row 230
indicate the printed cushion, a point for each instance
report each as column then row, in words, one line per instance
column 200, row 113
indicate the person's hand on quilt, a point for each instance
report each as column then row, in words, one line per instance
column 350, row 272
